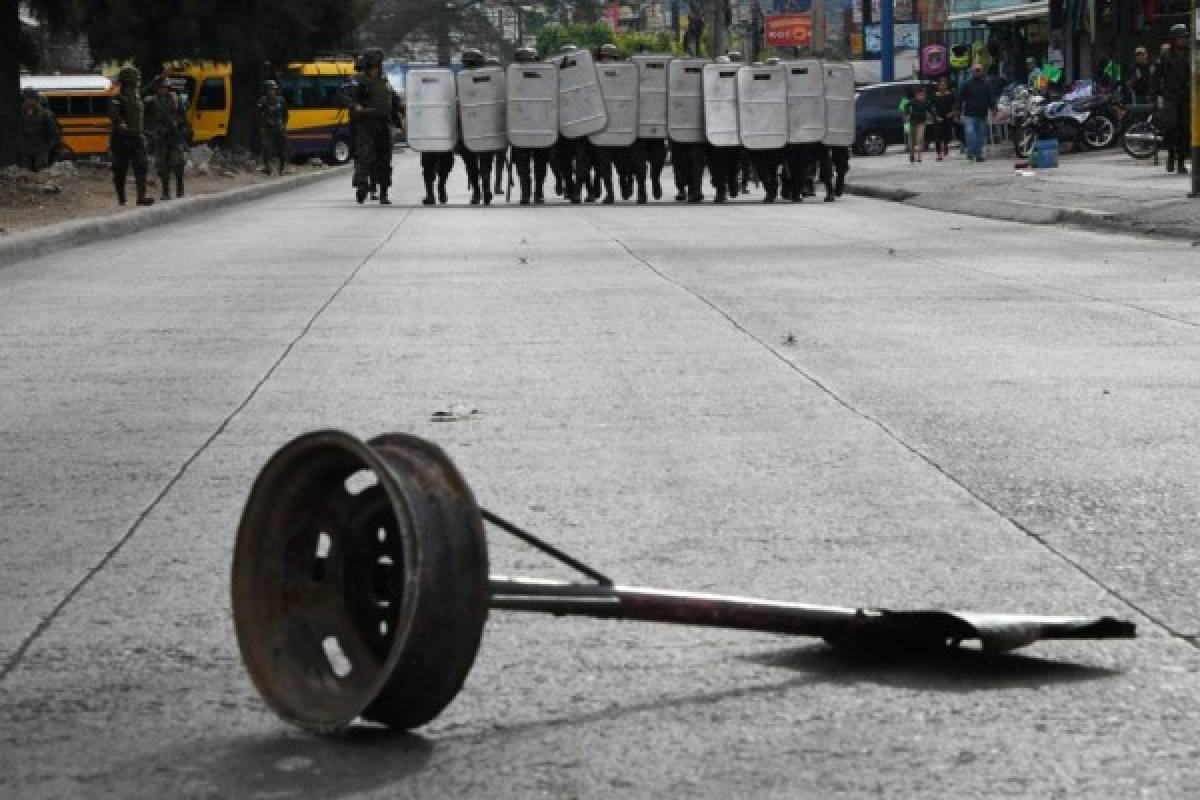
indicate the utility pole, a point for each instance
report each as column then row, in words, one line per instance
column 887, row 41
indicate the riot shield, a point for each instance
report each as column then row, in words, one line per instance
column 762, row 107
column 432, row 110
column 580, row 104
column 481, row 109
column 721, row 105
column 619, row 86
column 652, row 95
column 805, row 101
column 685, row 100
column 532, row 105
column 839, row 105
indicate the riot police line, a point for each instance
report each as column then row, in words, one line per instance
column 785, row 123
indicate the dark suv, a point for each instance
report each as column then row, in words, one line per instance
column 877, row 120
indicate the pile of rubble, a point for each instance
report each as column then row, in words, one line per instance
column 52, row 180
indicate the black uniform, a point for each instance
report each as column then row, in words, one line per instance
column 648, row 155
column 1174, row 88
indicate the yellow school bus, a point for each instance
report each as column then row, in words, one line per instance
column 80, row 102
column 207, row 90
column 318, row 121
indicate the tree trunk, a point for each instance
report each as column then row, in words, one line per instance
column 10, row 82
column 243, row 118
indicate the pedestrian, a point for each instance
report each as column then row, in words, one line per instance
column 918, row 116
column 128, row 140
column 375, row 107
column 272, row 126
column 39, row 132
column 944, row 112
column 1140, row 84
column 167, row 125
column 1173, row 98
column 975, row 103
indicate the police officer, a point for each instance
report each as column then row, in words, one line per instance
column 272, row 126
column 767, row 162
column 572, row 156
column 168, row 128
column 478, row 165
column 604, row 159
column 39, row 132
column 722, row 163
column 1174, row 97
column 501, row 156
column 375, row 107
column 522, row 156
column 128, row 141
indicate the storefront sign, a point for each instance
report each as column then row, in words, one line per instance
column 788, row 30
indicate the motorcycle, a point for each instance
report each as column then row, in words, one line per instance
column 1042, row 120
column 1140, row 135
column 1099, row 128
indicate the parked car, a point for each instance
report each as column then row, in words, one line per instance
column 877, row 119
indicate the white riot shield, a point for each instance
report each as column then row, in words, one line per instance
column 806, row 101
column 580, row 103
column 481, row 109
column 619, row 86
column 431, row 102
column 652, row 95
column 839, row 105
column 532, row 104
column 685, row 100
column 721, row 105
column 762, row 107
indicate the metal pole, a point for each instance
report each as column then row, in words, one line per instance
column 1195, row 193
column 887, row 42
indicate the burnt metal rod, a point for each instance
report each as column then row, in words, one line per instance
column 545, row 547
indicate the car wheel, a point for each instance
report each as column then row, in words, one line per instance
column 339, row 153
column 872, row 143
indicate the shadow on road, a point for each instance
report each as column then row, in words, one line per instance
column 954, row 670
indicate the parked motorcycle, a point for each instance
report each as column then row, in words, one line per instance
column 1140, row 135
column 1099, row 128
column 1042, row 120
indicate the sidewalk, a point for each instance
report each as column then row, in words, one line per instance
column 1105, row 190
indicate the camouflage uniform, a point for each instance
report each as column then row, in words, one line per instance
column 272, row 128
column 128, row 142
column 168, row 129
column 39, row 133
column 375, row 107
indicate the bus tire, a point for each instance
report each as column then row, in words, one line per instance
column 339, row 152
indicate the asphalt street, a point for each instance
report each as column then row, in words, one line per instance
column 857, row 403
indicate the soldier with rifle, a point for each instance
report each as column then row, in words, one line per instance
column 375, row 107
column 169, row 131
column 128, row 140
column 272, row 126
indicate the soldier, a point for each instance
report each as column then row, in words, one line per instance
column 573, row 158
column 1174, row 96
column 168, row 126
column 522, row 156
column 375, row 107
column 478, row 165
column 272, row 126
column 128, row 141
column 39, row 132
column 606, row 158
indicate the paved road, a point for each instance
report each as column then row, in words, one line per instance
column 857, row 403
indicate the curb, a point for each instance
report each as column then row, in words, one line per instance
column 53, row 238
column 1027, row 214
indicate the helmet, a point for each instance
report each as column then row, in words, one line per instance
column 372, row 57
column 269, row 84
column 735, row 56
column 773, row 61
column 129, row 75
column 492, row 61
column 29, row 93
column 723, row 60
column 609, row 51
column 472, row 58
column 567, row 48
column 525, row 55
column 1179, row 30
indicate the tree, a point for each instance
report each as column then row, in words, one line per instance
column 16, row 49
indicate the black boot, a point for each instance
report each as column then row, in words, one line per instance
column 166, row 188
column 839, row 184
column 475, row 198
column 179, row 184
column 443, row 198
column 656, row 188
column 487, row 193
column 538, row 197
column 120, row 187
column 360, row 194
column 429, row 199
column 143, row 200
column 383, row 196
column 720, row 198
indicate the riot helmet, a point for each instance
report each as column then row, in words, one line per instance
column 472, row 58
column 491, row 61
column 525, row 55
column 735, row 56
column 723, row 60
column 567, row 49
column 609, row 52
column 1179, row 31
column 773, row 61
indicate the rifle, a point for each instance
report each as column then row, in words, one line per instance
column 508, row 191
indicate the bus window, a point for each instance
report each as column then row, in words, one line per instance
column 331, row 91
column 58, row 105
column 212, row 95
column 100, row 106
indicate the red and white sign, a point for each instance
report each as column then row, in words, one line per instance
column 788, row 30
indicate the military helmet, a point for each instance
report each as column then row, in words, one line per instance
column 609, row 51
column 1179, row 31
column 372, row 57
column 472, row 58
column 129, row 75
column 29, row 93
column 525, row 55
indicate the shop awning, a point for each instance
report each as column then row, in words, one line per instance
column 1014, row 13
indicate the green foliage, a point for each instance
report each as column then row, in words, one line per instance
column 641, row 42
column 585, row 36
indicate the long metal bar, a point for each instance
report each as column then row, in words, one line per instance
column 545, row 547
column 834, row 623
